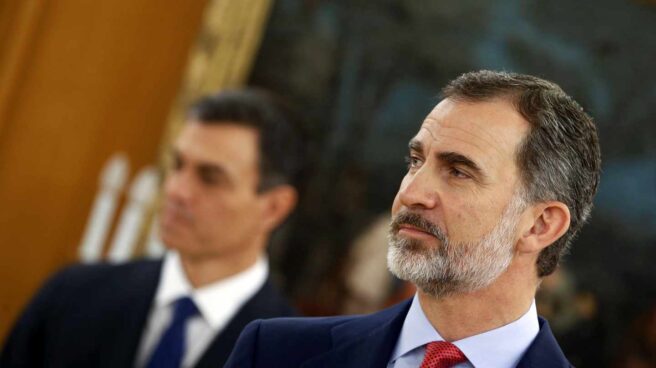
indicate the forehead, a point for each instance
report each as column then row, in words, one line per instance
column 487, row 132
column 219, row 143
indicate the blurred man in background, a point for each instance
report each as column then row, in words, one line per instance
column 501, row 176
column 230, row 187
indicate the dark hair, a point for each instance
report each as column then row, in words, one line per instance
column 559, row 159
column 281, row 142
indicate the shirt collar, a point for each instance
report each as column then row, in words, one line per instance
column 501, row 347
column 416, row 331
column 216, row 301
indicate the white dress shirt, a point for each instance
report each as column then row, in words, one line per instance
column 217, row 303
column 502, row 347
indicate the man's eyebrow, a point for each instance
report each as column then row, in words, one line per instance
column 415, row 145
column 210, row 168
column 211, row 171
column 454, row 158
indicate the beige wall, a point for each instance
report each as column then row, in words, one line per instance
column 79, row 80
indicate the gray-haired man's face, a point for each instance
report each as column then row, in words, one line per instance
column 455, row 216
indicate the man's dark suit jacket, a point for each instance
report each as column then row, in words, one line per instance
column 351, row 342
column 94, row 316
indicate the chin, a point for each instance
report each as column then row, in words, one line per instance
column 172, row 242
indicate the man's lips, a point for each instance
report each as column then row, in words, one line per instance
column 173, row 216
column 413, row 230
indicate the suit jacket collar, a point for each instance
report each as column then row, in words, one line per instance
column 544, row 352
column 368, row 342
column 364, row 342
column 131, row 309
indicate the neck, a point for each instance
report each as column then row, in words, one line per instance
column 458, row 316
column 204, row 270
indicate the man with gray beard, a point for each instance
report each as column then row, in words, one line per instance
column 501, row 177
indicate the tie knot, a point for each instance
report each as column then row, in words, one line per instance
column 184, row 308
column 442, row 354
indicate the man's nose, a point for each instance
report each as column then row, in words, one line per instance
column 419, row 190
column 178, row 186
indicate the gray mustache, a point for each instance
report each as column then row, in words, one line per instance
column 416, row 220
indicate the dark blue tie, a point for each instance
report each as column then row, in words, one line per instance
column 169, row 351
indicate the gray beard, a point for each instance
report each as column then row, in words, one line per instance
column 454, row 268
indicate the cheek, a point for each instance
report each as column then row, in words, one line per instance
column 462, row 217
column 214, row 212
column 472, row 220
column 238, row 212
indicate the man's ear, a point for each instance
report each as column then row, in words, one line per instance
column 547, row 223
column 279, row 202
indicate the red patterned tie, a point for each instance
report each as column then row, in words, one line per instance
column 442, row 354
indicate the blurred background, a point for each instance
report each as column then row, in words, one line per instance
column 91, row 94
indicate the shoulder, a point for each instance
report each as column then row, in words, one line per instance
column 292, row 332
column 85, row 276
column 286, row 341
column 298, row 327
column 79, row 300
column 294, row 340
column 104, row 270
column 318, row 328
column 82, row 295
column 81, row 280
column 344, row 327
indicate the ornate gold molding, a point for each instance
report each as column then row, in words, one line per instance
column 222, row 56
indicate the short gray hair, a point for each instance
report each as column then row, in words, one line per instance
column 559, row 159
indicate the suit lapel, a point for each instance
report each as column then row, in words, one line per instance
column 544, row 351
column 132, row 308
column 218, row 351
column 266, row 303
column 364, row 342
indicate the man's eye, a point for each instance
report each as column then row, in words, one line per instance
column 412, row 162
column 458, row 174
column 208, row 178
column 177, row 163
